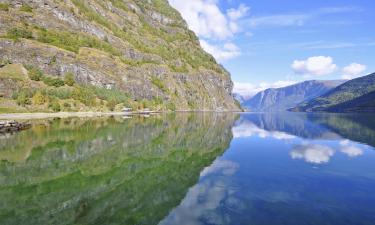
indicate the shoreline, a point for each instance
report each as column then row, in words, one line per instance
column 27, row 116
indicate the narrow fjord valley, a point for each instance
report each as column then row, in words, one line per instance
column 105, row 55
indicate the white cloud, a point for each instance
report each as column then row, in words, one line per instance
column 248, row 129
column 248, row 90
column 206, row 19
column 212, row 25
column 221, row 53
column 297, row 19
column 314, row 66
column 279, row 20
column 350, row 150
column 235, row 14
column 312, row 153
column 353, row 70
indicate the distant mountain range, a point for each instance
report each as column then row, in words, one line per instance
column 282, row 99
column 357, row 95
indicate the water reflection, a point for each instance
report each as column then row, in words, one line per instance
column 191, row 169
column 284, row 168
column 106, row 170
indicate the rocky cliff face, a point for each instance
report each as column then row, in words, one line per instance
column 281, row 99
column 141, row 48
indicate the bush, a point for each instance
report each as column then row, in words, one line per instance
column 171, row 106
column 110, row 95
column 4, row 6
column 55, row 106
column 15, row 33
column 111, row 104
column 84, row 95
column 35, row 74
column 23, row 99
column 60, row 93
column 69, row 79
column 38, row 98
column 26, row 8
column 50, row 81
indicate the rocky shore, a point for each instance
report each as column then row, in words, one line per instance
column 11, row 126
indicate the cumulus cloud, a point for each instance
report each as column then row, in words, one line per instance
column 212, row 25
column 202, row 203
column 206, row 19
column 248, row 90
column 349, row 149
column 221, row 53
column 248, row 129
column 312, row 153
column 314, row 66
column 353, row 70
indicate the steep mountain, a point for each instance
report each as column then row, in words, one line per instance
column 281, row 99
column 104, row 54
column 353, row 95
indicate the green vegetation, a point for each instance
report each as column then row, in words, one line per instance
column 4, row 7
column 22, row 98
column 55, row 106
column 73, row 41
column 26, row 8
column 38, row 98
column 85, row 95
column 51, row 81
column 34, row 73
column 16, row 33
column 159, row 83
column 69, row 79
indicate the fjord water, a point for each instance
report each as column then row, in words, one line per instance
column 198, row 168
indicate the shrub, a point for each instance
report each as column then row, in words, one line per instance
column 4, row 6
column 84, row 95
column 171, row 106
column 15, row 33
column 35, row 74
column 110, row 95
column 50, row 81
column 55, row 106
column 22, row 99
column 38, row 98
column 111, row 104
column 69, row 79
column 61, row 93
column 26, row 8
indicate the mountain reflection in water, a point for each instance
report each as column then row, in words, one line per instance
column 290, row 169
column 191, row 168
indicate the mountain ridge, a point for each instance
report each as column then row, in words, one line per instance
column 352, row 93
column 281, row 99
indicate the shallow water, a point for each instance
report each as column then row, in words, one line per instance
column 191, row 169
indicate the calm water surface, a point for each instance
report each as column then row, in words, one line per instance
column 191, row 169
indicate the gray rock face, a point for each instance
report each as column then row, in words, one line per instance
column 282, row 99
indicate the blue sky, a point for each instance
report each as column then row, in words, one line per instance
column 273, row 43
